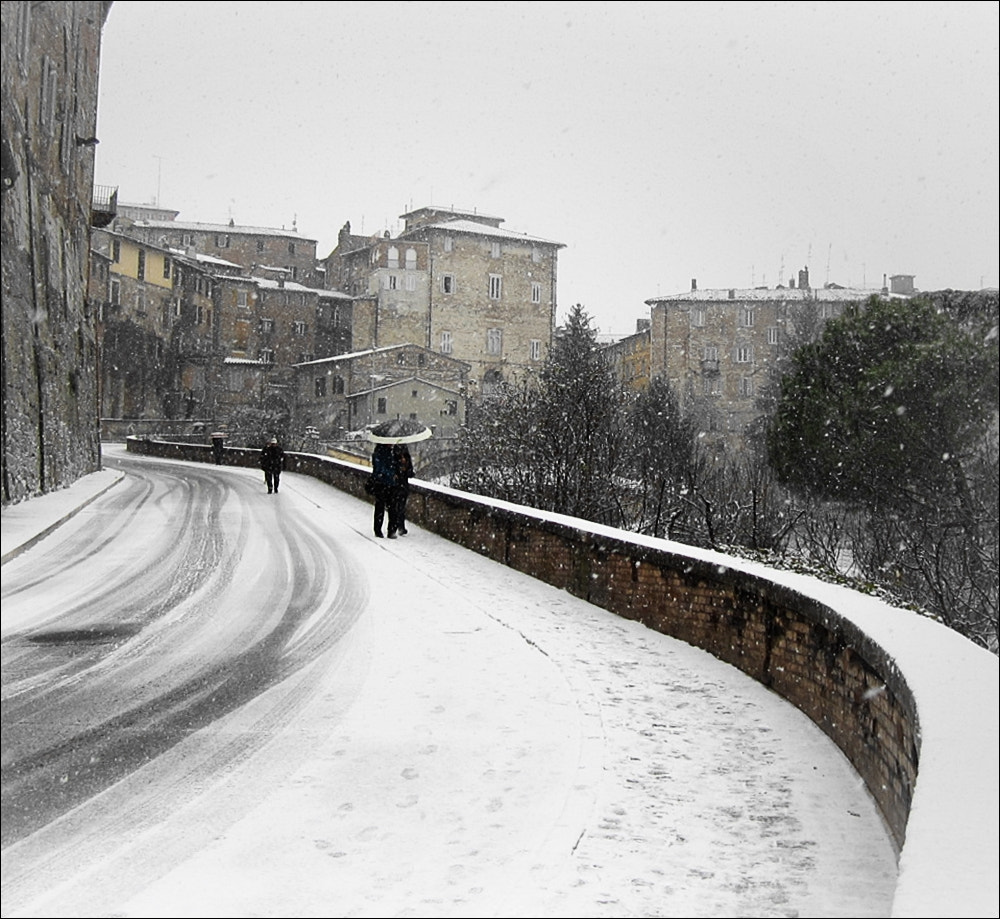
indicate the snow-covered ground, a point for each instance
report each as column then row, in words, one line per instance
column 490, row 746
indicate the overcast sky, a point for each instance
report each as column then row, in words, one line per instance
column 729, row 142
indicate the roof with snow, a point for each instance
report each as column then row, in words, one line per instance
column 472, row 228
column 772, row 294
column 355, row 355
column 222, row 228
column 210, row 260
column 405, row 381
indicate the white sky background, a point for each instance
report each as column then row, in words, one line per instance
column 659, row 141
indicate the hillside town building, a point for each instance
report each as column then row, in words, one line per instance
column 720, row 349
column 457, row 283
column 351, row 391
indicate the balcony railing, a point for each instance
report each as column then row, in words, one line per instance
column 104, row 205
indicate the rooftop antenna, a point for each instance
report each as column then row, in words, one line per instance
column 828, row 251
column 159, row 176
column 781, row 271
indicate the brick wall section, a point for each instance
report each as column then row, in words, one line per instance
column 792, row 644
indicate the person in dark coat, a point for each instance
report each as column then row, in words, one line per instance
column 272, row 461
column 404, row 471
column 384, row 482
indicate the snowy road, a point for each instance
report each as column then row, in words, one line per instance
column 221, row 702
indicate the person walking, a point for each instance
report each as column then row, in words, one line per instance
column 384, row 481
column 404, row 471
column 272, row 461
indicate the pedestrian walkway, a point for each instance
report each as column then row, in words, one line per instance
column 490, row 746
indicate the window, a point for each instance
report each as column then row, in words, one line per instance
column 746, row 319
column 413, row 394
column 494, row 341
column 116, row 250
column 496, row 286
column 711, row 385
column 266, row 356
column 449, row 244
column 495, row 249
column 536, row 254
column 166, row 267
column 411, row 259
column 187, row 239
column 222, row 242
column 392, row 257
column 305, row 357
column 535, row 349
column 241, row 298
column 115, row 292
column 451, row 407
column 746, row 386
column 411, row 281
column 448, row 284
column 260, row 245
column 446, row 342
column 338, row 386
column 698, row 317
column 266, row 326
column 291, row 248
column 389, row 281
column 744, row 354
column 199, row 313
column 381, row 407
column 298, row 328
column 140, row 269
column 319, row 385
column 773, row 335
column 536, row 292
column 710, row 353
column 401, row 358
column 140, row 303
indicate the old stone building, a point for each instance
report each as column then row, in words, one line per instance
column 457, row 283
column 252, row 247
column 50, row 64
column 345, row 393
column 629, row 357
column 719, row 348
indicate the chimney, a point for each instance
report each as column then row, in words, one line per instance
column 732, row 293
column 694, row 283
column 804, row 279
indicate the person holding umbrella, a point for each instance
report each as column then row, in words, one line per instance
column 391, row 471
column 404, row 470
column 383, row 488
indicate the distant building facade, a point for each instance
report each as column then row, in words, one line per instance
column 719, row 348
column 347, row 392
column 456, row 283
column 629, row 357
column 50, row 64
column 269, row 248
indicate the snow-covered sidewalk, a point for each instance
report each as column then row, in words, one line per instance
column 491, row 746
